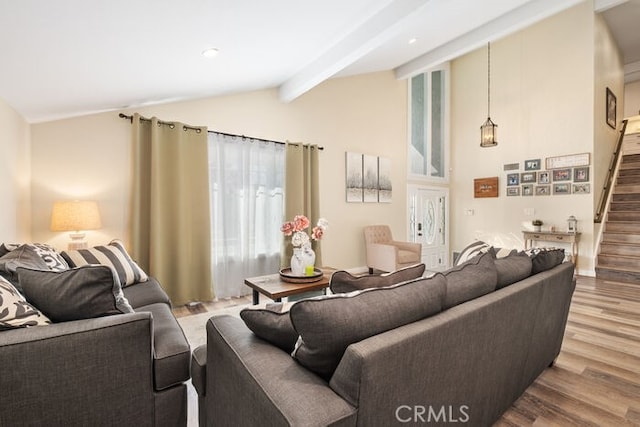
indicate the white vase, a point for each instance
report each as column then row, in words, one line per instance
column 302, row 258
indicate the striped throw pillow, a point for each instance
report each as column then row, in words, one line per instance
column 114, row 255
column 472, row 250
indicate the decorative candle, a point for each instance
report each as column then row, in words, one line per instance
column 308, row 270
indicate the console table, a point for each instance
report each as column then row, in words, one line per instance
column 554, row 236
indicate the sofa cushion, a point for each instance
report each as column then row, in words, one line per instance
column 342, row 281
column 80, row 293
column 544, row 259
column 15, row 311
column 512, row 268
column 172, row 354
column 145, row 293
column 22, row 256
column 472, row 250
column 272, row 324
column 472, row 279
column 114, row 255
column 328, row 325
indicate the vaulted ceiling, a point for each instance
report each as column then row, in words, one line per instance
column 65, row 58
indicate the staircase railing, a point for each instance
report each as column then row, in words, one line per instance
column 604, row 196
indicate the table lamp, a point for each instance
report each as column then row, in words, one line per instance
column 76, row 216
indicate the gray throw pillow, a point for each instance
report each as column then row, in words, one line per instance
column 80, row 293
column 22, row 256
column 342, row 281
column 328, row 325
column 470, row 280
column 512, row 268
column 272, row 324
column 544, row 259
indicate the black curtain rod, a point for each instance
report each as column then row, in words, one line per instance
column 130, row 118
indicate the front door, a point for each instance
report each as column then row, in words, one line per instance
column 428, row 224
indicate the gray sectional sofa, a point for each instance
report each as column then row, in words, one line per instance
column 117, row 369
column 459, row 347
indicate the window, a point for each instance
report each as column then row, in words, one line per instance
column 428, row 144
column 247, row 207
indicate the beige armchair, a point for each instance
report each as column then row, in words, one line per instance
column 386, row 254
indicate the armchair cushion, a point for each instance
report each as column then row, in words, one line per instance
column 342, row 281
column 328, row 325
column 15, row 311
column 79, row 293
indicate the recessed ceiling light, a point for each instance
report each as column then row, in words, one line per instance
column 413, row 40
column 210, row 52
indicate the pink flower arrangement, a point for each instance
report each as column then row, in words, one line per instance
column 296, row 229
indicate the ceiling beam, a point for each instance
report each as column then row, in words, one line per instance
column 506, row 24
column 382, row 26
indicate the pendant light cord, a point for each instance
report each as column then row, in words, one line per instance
column 489, row 79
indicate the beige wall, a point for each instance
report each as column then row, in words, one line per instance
column 543, row 102
column 14, row 176
column 631, row 99
column 88, row 157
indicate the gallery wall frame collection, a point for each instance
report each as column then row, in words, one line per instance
column 367, row 178
column 568, row 174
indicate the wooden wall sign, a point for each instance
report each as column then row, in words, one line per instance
column 485, row 187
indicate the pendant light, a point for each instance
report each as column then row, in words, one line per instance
column 489, row 130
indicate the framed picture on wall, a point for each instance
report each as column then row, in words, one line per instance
column 513, row 191
column 611, row 108
column 561, row 188
column 544, row 177
column 581, row 174
column 562, row 175
column 543, row 190
column 527, row 177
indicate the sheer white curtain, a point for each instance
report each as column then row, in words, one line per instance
column 247, row 180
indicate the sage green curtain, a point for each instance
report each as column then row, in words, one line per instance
column 171, row 222
column 302, row 195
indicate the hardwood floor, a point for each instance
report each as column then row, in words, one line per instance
column 596, row 378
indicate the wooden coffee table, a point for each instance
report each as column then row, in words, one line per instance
column 274, row 287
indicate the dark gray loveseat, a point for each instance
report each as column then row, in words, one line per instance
column 465, row 363
column 119, row 370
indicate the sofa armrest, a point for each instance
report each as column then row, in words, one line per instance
column 94, row 371
column 250, row 381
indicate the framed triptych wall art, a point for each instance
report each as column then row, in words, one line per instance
column 367, row 178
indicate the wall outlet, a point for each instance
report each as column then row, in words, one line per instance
column 469, row 212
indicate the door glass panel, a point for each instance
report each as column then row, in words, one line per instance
column 417, row 150
column 437, row 124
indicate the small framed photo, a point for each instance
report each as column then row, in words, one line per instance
column 561, row 188
column 581, row 174
column 581, row 188
column 513, row 191
column 527, row 177
column 544, row 177
column 527, row 190
column 532, row 165
column 562, row 175
column 513, row 179
column 543, row 190
column 611, row 108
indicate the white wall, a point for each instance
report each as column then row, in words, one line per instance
column 542, row 99
column 88, row 157
column 14, row 176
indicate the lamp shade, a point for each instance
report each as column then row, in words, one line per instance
column 75, row 215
